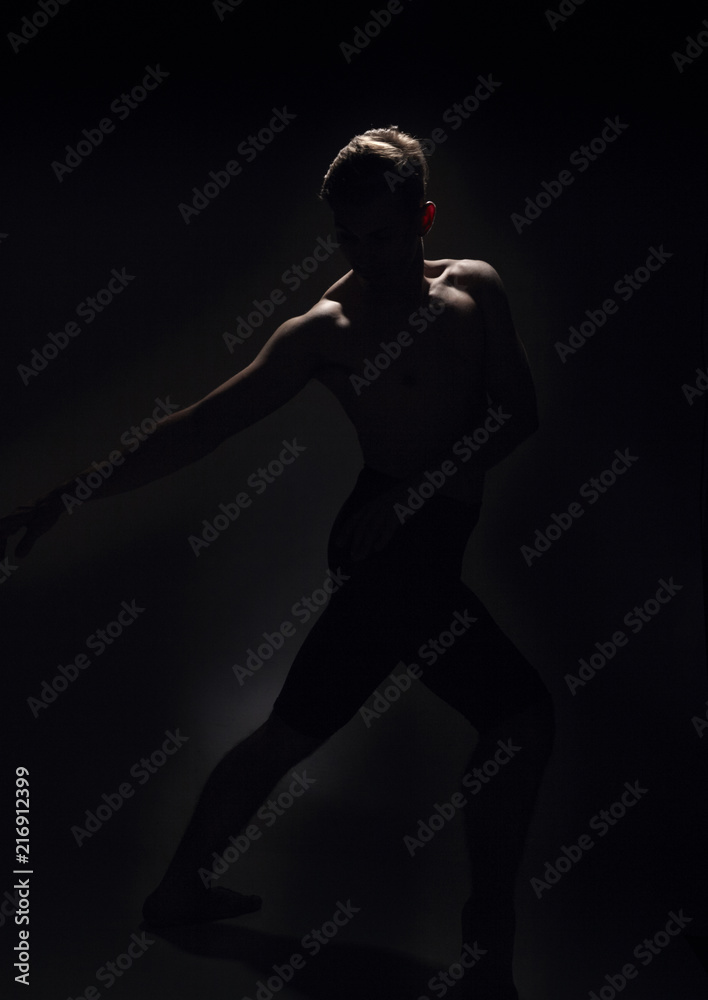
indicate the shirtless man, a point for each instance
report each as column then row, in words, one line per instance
column 460, row 368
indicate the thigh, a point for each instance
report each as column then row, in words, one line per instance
column 394, row 606
column 356, row 643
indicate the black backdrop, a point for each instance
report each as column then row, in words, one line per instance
column 224, row 71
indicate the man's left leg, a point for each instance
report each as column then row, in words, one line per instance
column 505, row 772
column 485, row 678
column 235, row 789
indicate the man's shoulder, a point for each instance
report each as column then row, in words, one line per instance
column 322, row 317
column 465, row 273
column 308, row 335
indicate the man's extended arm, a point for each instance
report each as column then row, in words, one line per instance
column 279, row 372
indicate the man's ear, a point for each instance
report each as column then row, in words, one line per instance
column 427, row 217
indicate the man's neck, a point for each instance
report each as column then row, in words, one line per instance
column 404, row 294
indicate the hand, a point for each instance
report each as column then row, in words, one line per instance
column 36, row 518
column 373, row 526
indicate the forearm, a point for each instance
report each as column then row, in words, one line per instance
column 175, row 443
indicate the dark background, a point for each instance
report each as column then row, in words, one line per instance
column 164, row 336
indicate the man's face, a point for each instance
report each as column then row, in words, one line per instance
column 380, row 239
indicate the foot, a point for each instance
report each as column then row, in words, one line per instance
column 167, row 908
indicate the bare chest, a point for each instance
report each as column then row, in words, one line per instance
column 409, row 382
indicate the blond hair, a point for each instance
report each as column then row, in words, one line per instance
column 380, row 161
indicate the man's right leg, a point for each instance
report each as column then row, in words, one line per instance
column 234, row 791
